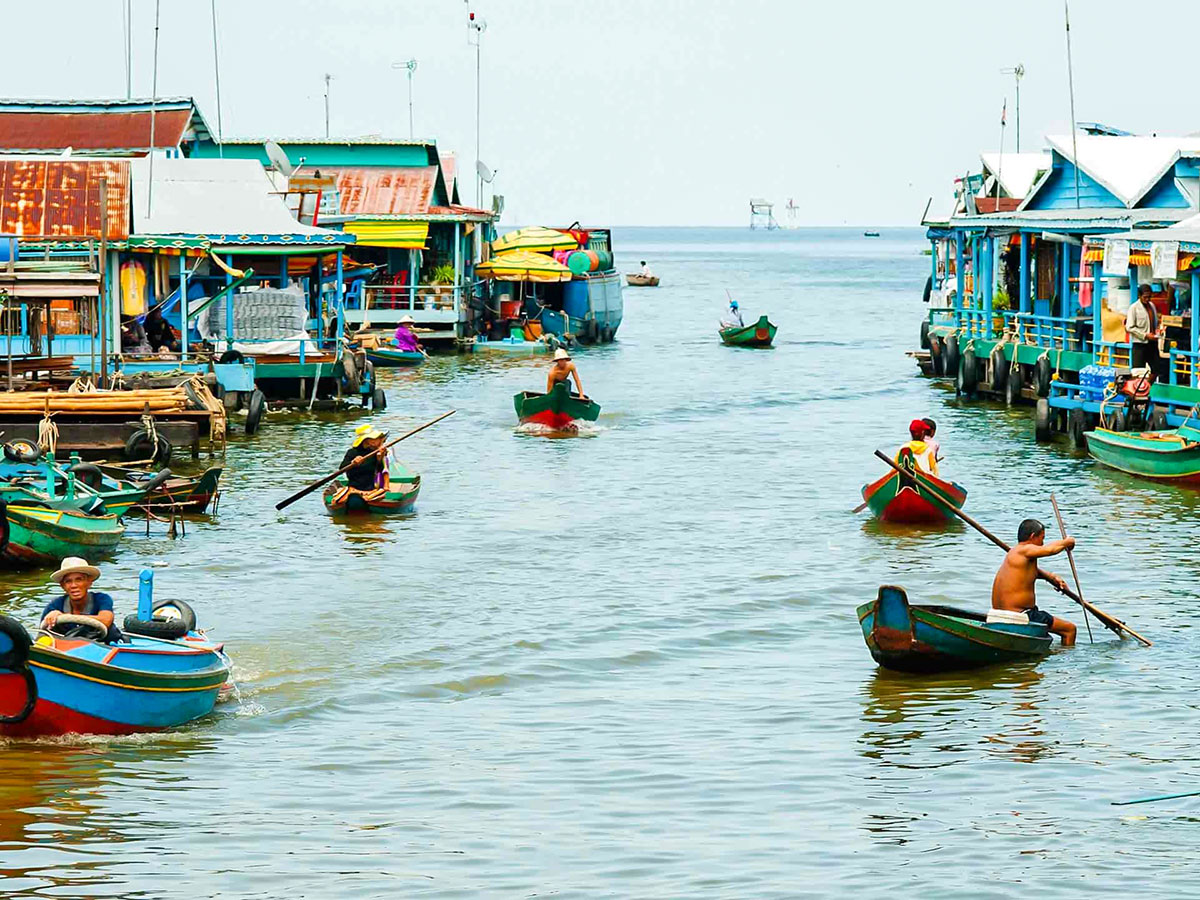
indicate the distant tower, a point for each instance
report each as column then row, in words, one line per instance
column 792, row 212
column 761, row 214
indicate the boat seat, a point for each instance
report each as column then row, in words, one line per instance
column 1006, row 617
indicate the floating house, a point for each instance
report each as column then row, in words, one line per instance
column 172, row 125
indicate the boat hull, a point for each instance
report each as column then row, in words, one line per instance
column 84, row 687
column 401, row 497
column 559, row 410
column 642, row 280
column 388, row 358
column 1160, row 455
column 38, row 535
column 908, row 498
column 925, row 639
column 760, row 334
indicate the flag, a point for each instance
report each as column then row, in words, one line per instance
column 1004, row 113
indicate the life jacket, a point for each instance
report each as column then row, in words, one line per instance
column 921, row 455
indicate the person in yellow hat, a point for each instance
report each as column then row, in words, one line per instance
column 371, row 472
column 561, row 371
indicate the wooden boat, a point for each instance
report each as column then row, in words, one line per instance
column 909, row 497
column 391, row 357
column 182, row 493
column 400, row 497
column 39, row 534
column 54, row 684
column 870, row 234
column 1161, row 455
column 760, row 334
column 559, row 410
column 509, row 344
column 635, row 280
column 942, row 638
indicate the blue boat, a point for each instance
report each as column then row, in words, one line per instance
column 70, row 683
column 942, row 638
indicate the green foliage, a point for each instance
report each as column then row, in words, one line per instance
column 443, row 274
column 1000, row 301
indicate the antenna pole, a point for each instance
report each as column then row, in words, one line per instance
column 1000, row 165
column 1071, row 87
column 412, row 65
column 217, row 76
column 128, row 50
column 153, row 106
column 328, row 78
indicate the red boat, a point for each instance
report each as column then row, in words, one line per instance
column 910, row 497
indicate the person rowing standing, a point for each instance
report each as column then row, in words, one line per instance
column 1013, row 587
column 561, row 372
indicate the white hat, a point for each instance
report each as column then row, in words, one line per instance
column 560, row 353
column 407, row 320
column 73, row 565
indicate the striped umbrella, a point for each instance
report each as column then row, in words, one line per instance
column 523, row 265
column 534, row 237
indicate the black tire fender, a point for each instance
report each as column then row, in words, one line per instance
column 166, row 629
column 175, row 610
column 378, row 400
column 157, row 481
column 22, row 451
column 1158, row 419
column 88, row 474
column 1012, row 387
column 999, row 366
column 937, row 356
column 351, row 382
column 928, row 289
column 1041, row 421
column 952, row 354
column 1076, row 426
column 230, row 356
column 14, row 656
column 1117, row 420
column 925, row 335
column 1042, row 376
column 4, row 529
column 254, row 410
column 970, row 371
column 139, row 447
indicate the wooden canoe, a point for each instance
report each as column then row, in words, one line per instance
column 559, row 410
column 760, row 334
column 39, row 534
column 942, row 638
column 1161, row 455
column 390, row 357
column 634, row 280
column 400, row 496
column 909, row 498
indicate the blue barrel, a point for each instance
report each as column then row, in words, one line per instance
column 9, row 247
column 575, row 299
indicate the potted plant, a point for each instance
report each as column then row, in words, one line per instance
column 440, row 279
column 1000, row 305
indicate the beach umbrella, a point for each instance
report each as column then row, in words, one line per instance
column 523, row 265
column 534, row 237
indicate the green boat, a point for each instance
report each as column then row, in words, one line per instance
column 760, row 334
column 38, row 534
column 1161, row 455
column 942, row 638
column 401, row 496
column 391, row 357
column 559, row 410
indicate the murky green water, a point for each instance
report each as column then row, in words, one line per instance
column 628, row 665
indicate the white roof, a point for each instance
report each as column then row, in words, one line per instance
column 1017, row 171
column 1128, row 166
column 1185, row 231
column 210, row 197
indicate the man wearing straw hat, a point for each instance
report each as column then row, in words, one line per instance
column 561, row 371
column 370, row 473
column 76, row 578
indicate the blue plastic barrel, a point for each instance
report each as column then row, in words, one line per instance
column 9, row 247
column 575, row 299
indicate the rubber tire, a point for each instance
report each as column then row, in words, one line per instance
column 1041, row 422
column 351, row 382
column 1012, row 387
column 1117, row 420
column 166, row 629
column 187, row 615
column 4, row 529
column 925, row 335
column 157, row 481
column 970, row 372
column 1042, row 376
column 378, row 400
column 999, row 366
column 17, row 655
column 14, row 454
column 937, row 357
column 952, row 355
column 138, row 446
column 369, row 381
column 88, row 474
column 230, row 356
column 1076, row 426
column 1158, row 420
column 925, row 294
column 254, row 411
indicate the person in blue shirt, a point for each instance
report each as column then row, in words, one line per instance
column 76, row 578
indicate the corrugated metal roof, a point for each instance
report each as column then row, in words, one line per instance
column 399, row 191
column 368, row 140
column 96, row 130
column 62, row 197
column 1128, row 166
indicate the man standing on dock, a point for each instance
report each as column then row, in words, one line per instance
column 1013, row 590
column 1141, row 323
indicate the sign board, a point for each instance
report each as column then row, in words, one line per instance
column 1164, row 259
column 1116, row 257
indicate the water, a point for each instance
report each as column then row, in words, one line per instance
column 628, row 664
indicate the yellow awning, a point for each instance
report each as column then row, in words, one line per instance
column 406, row 235
column 534, row 237
column 523, row 265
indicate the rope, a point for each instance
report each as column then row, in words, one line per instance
column 1110, row 391
column 48, row 435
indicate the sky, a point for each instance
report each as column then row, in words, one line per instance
column 660, row 112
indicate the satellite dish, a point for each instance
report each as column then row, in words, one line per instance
column 279, row 160
column 485, row 174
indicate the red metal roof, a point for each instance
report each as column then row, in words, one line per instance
column 100, row 130
column 404, row 191
column 62, row 197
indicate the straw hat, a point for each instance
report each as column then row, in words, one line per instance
column 560, row 353
column 367, row 433
column 73, row 565
column 407, row 320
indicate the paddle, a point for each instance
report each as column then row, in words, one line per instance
column 1115, row 625
column 328, row 478
column 1155, row 799
column 1071, row 559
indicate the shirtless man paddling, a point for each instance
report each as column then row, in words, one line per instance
column 1013, row 587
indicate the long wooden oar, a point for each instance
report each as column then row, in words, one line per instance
column 1071, row 559
column 1155, row 799
column 328, row 478
column 1113, row 624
